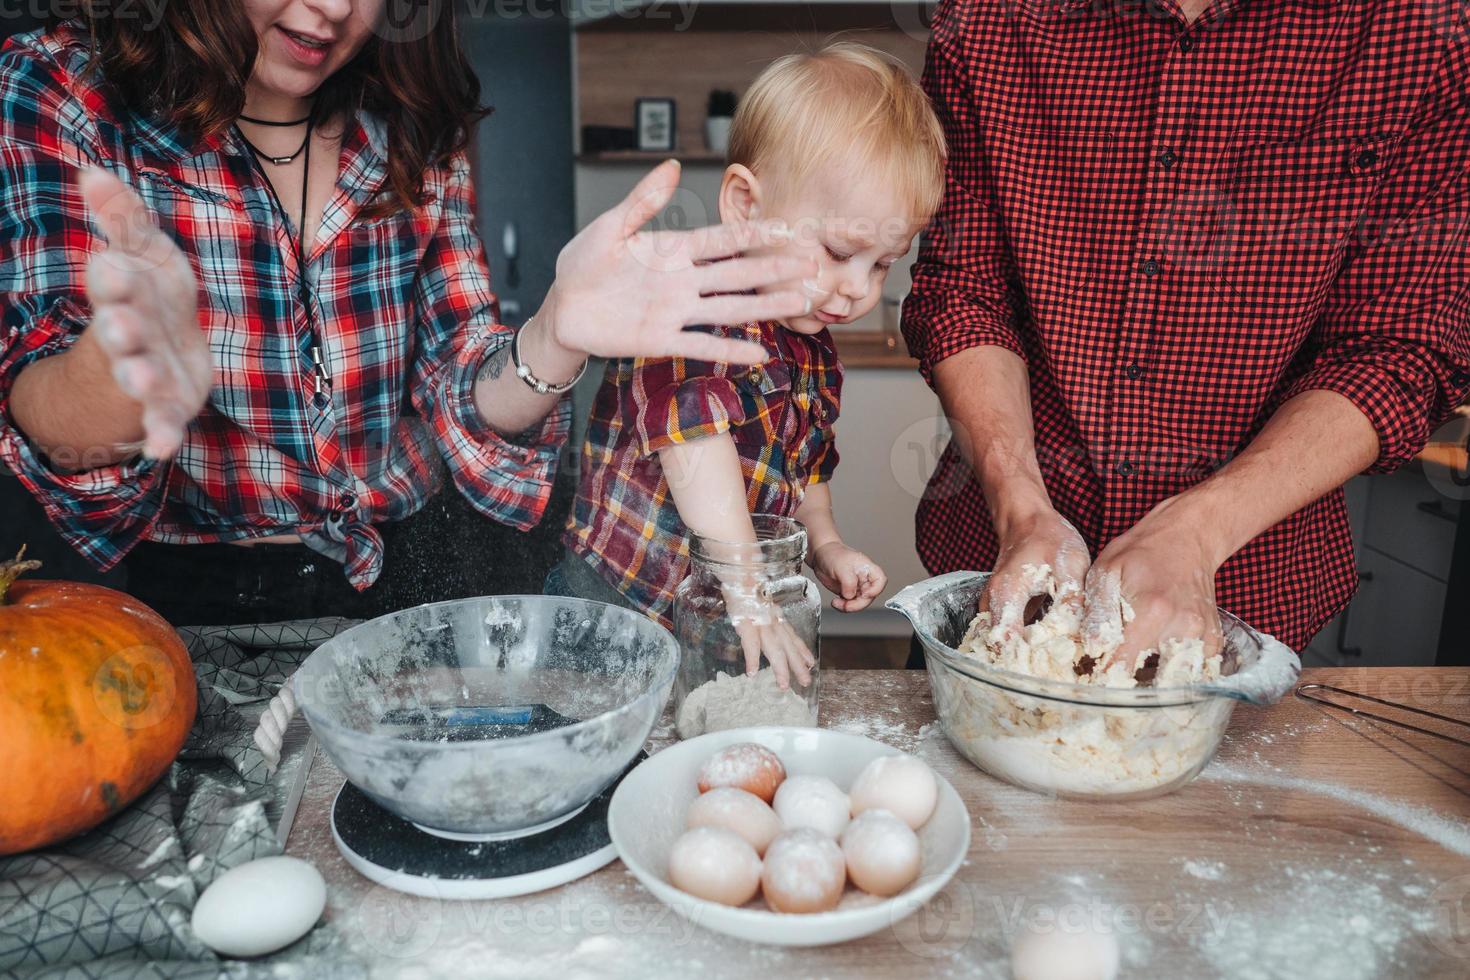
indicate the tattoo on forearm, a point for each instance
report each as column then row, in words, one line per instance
column 494, row 364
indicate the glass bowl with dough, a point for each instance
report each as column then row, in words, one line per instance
column 1029, row 710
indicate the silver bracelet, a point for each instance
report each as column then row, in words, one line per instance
column 534, row 383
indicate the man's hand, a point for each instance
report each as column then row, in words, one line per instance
column 1046, row 538
column 144, row 314
column 1164, row 569
column 853, row 576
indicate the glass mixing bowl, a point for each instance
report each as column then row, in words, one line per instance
column 1080, row 740
column 489, row 717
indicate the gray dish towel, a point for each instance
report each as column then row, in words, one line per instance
column 116, row 901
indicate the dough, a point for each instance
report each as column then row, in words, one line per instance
column 1054, row 745
column 1052, row 646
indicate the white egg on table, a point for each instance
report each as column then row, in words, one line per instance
column 812, row 801
column 1064, row 954
column 901, row 784
column 804, row 872
column 260, row 906
column 715, row 864
column 883, row 854
column 735, row 809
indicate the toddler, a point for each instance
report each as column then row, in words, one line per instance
column 844, row 148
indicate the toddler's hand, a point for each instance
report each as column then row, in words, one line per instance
column 853, row 576
column 764, row 631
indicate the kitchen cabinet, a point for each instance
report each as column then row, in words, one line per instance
column 1405, row 527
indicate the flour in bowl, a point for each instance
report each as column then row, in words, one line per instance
column 739, row 701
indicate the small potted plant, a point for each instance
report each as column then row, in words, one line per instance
column 717, row 120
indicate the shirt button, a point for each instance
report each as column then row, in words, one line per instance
column 1125, row 468
column 1186, row 44
column 346, row 501
column 1168, row 158
column 1367, row 159
column 1150, row 267
column 1460, row 378
column 1133, row 372
column 320, row 399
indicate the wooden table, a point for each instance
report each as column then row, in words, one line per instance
column 1316, row 844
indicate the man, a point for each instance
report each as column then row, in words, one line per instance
column 1197, row 265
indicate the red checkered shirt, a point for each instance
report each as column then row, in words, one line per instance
column 780, row 415
column 1179, row 228
column 404, row 318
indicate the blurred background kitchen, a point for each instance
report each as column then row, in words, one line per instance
column 588, row 94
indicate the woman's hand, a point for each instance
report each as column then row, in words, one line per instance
column 145, row 319
column 1042, row 538
column 1165, row 570
column 624, row 292
column 855, row 578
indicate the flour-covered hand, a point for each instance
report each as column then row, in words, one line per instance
column 765, row 633
column 854, row 578
column 145, row 317
column 1016, row 588
column 621, row 291
column 1152, row 584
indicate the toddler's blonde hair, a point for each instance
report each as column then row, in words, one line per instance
column 846, row 105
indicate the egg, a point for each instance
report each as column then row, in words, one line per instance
column 882, row 853
column 901, row 784
column 735, row 809
column 715, row 864
column 259, row 906
column 812, row 801
column 748, row 766
column 1058, row 954
column 804, row 872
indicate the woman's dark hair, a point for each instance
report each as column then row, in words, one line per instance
column 192, row 69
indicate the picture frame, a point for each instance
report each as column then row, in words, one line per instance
column 655, row 120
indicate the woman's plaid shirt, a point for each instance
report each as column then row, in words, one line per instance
column 403, row 318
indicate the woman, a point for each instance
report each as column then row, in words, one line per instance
column 289, row 333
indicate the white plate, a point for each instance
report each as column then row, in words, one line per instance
column 647, row 815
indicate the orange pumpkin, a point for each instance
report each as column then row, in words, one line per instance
column 96, row 697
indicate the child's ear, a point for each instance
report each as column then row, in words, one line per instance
column 740, row 195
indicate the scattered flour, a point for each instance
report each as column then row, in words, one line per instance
column 1449, row 833
column 1207, row 870
column 1317, row 922
column 739, row 701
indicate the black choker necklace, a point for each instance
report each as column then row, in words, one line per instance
column 274, row 122
column 278, row 161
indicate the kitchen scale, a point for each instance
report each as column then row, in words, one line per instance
column 436, row 863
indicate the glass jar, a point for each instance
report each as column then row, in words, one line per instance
column 734, row 584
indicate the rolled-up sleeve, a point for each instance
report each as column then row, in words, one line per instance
column 508, row 480
column 675, row 400
column 825, row 464
column 45, row 135
column 961, row 296
column 1394, row 336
